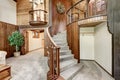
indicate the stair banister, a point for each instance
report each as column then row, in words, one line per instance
column 53, row 57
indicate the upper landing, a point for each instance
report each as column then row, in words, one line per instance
column 87, row 13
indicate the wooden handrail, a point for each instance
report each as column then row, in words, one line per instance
column 86, row 15
column 74, row 6
column 37, row 10
column 51, row 38
column 87, row 18
column 53, row 56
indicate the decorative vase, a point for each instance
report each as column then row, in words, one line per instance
column 16, row 54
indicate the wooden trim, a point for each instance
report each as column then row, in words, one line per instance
column 88, row 18
column 102, row 68
column 73, row 39
column 35, row 49
column 79, row 9
column 37, row 10
column 53, row 52
column 74, row 6
column 113, row 56
column 86, row 60
column 8, row 23
column 98, row 65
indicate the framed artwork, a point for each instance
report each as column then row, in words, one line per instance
column 96, row 7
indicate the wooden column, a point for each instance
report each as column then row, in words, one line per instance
column 73, row 39
column 25, row 47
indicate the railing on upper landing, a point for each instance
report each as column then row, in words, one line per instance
column 52, row 51
column 87, row 9
column 84, row 13
column 38, row 17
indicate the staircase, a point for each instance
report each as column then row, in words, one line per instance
column 68, row 65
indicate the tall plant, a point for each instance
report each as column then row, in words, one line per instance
column 16, row 39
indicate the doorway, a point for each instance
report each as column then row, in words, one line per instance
column 34, row 40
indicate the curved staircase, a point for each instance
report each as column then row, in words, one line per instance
column 68, row 65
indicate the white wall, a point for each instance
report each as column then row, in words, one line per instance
column 103, row 47
column 87, row 43
column 8, row 11
column 35, row 43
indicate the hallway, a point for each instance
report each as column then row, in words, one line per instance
column 32, row 66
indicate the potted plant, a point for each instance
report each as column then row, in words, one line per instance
column 16, row 39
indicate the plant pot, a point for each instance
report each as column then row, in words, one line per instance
column 16, row 54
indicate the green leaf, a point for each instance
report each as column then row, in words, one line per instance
column 16, row 39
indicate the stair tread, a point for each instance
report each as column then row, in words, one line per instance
column 59, row 37
column 71, row 72
column 54, row 38
column 65, row 50
column 65, row 53
column 65, row 56
column 60, row 41
column 67, row 63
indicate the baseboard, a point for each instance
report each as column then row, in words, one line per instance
column 86, row 60
column 103, row 68
column 35, row 49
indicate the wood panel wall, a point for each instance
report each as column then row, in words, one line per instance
column 6, row 30
column 73, row 39
column 59, row 20
column 23, row 8
column 114, row 27
column 25, row 47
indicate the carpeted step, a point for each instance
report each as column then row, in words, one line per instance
column 57, row 36
column 65, row 52
column 64, row 65
column 69, row 73
column 57, row 40
column 66, row 57
column 62, row 43
column 64, row 47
